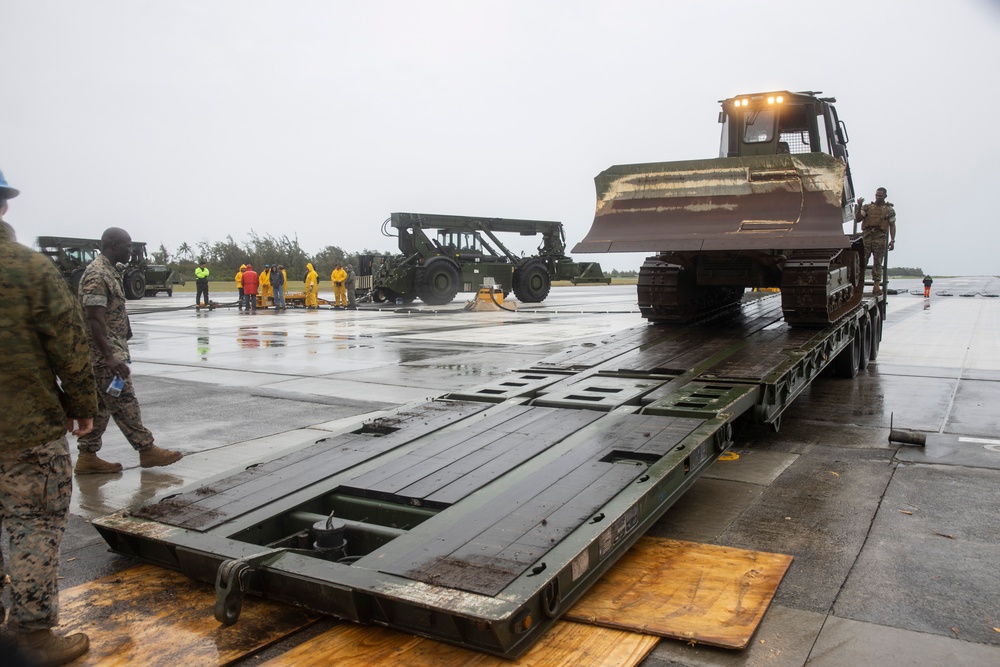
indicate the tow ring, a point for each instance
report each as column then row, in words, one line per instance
column 230, row 585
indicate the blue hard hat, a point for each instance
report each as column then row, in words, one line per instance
column 7, row 192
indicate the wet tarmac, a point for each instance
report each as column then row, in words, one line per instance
column 895, row 546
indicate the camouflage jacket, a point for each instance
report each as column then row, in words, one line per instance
column 878, row 216
column 102, row 286
column 46, row 371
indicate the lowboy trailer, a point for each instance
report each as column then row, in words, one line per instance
column 480, row 517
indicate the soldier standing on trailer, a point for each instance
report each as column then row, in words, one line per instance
column 878, row 221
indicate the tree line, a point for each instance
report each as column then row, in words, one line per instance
column 225, row 257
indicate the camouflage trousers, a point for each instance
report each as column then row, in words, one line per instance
column 35, row 488
column 125, row 410
column 875, row 244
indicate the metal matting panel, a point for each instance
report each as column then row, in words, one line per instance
column 526, row 384
column 596, row 392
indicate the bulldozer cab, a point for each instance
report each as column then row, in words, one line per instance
column 786, row 123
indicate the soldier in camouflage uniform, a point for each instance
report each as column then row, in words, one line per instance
column 109, row 330
column 878, row 222
column 48, row 385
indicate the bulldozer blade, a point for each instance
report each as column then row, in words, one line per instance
column 762, row 202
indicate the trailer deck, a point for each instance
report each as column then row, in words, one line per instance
column 480, row 517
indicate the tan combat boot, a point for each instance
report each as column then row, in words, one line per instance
column 875, row 289
column 45, row 649
column 89, row 463
column 154, row 456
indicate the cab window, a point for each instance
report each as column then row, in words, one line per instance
column 758, row 126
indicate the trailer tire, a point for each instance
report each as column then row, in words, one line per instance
column 846, row 363
column 866, row 342
column 134, row 284
column 531, row 281
column 876, row 317
column 436, row 283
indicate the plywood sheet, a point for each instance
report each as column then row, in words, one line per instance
column 150, row 616
column 566, row 644
column 685, row 590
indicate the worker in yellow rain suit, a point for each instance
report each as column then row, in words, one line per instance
column 312, row 287
column 265, row 285
column 339, row 276
column 239, row 284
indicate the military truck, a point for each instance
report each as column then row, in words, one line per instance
column 139, row 278
column 464, row 251
column 769, row 212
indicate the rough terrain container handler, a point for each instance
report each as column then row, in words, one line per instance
column 769, row 212
column 464, row 251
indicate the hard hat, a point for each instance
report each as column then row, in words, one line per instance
column 7, row 192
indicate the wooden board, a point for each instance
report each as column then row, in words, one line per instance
column 149, row 616
column 684, row 590
column 566, row 644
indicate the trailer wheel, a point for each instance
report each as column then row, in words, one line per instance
column 437, row 282
column 531, row 282
column 866, row 342
column 134, row 284
column 846, row 363
column 876, row 316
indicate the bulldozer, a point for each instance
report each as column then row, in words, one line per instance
column 462, row 252
column 769, row 212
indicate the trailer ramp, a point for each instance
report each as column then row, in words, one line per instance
column 481, row 517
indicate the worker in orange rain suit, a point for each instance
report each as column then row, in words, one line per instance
column 239, row 284
column 265, row 284
column 339, row 277
column 312, row 287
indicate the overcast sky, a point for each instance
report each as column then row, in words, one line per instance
column 191, row 120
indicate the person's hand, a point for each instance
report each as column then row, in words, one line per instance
column 84, row 426
column 892, row 245
column 117, row 366
column 861, row 201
